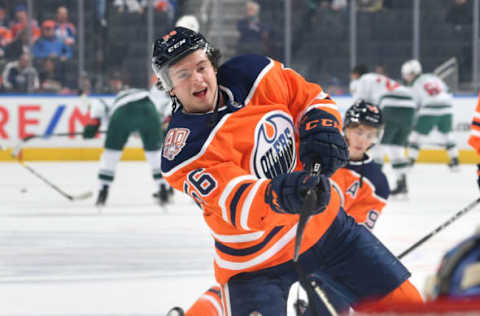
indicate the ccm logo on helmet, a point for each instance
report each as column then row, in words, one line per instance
column 322, row 122
column 177, row 45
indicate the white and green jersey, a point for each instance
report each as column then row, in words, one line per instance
column 381, row 91
column 432, row 95
column 162, row 101
column 103, row 110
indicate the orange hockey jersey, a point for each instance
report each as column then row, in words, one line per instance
column 363, row 189
column 209, row 304
column 474, row 139
column 224, row 161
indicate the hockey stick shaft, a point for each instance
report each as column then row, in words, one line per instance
column 38, row 175
column 25, row 139
column 457, row 215
column 308, row 205
column 17, row 148
column 311, row 289
column 47, row 182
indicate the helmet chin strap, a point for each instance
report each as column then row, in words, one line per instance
column 213, row 119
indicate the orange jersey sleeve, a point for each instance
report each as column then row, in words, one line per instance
column 209, row 304
column 474, row 139
column 363, row 189
column 226, row 170
column 274, row 83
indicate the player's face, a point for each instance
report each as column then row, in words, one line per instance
column 359, row 139
column 195, row 82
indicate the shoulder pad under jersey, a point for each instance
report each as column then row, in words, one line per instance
column 372, row 171
column 240, row 73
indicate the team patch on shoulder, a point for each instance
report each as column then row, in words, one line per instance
column 174, row 142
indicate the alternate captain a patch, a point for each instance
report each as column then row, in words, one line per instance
column 274, row 149
column 174, row 142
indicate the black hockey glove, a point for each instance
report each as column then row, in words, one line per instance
column 321, row 141
column 286, row 193
column 478, row 175
column 91, row 129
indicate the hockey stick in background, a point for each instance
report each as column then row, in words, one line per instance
column 313, row 287
column 71, row 197
column 464, row 210
column 16, row 149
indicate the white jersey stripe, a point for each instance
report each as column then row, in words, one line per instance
column 238, row 237
column 228, row 190
column 274, row 249
column 248, row 204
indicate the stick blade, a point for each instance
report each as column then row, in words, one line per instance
column 82, row 196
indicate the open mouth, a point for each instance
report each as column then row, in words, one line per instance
column 201, row 93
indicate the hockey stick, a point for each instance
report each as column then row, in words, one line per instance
column 311, row 288
column 25, row 139
column 71, row 197
column 18, row 147
column 308, row 206
column 440, row 228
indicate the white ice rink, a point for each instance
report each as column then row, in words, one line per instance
column 59, row 257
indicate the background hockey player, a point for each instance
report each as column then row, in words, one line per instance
column 132, row 111
column 232, row 146
column 474, row 139
column 362, row 185
column 398, row 109
column 435, row 104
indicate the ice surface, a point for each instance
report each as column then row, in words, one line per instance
column 59, row 257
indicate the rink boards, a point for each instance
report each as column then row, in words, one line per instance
column 21, row 116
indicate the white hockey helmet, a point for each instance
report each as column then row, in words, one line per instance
column 411, row 69
column 189, row 22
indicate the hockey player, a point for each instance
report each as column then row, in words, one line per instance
column 131, row 111
column 398, row 109
column 435, row 104
column 474, row 139
column 232, row 146
column 362, row 185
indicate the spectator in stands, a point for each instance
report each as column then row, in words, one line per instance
column 116, row 82
column 459, row 15
column 49, row 78
column 254, row 35
column 48, row 45
column 130, row 6
column 84, row 84
column 5, row 39
column 18, row 46
column 4, row 19
column 22, row 22
column 20, row 76
column 370, row 5
column 64, row 30
column 167, row 6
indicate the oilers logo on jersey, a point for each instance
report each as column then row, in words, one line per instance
column 274, row 150
column 174, row 142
